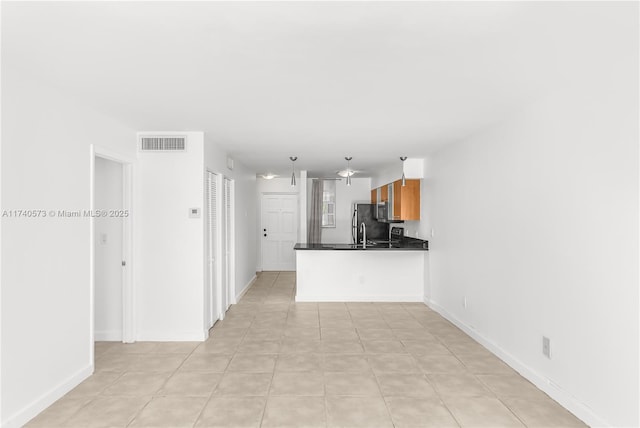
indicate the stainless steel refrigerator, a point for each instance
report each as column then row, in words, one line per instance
column 363, row 213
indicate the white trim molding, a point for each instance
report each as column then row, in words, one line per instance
column 244, row 290
column 48, row 398
column 107, row 336
column 128, row 275
column 318, row 297
column 564, row 398
column 172, row 336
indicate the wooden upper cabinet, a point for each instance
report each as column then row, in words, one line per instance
column 406, row 200
column 384, row 194
column 374, row 196
column 397, row 200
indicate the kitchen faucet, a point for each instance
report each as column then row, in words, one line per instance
column 363, row 229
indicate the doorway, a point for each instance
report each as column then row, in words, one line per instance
column 108, row 252
column 111, row 247
column 279, row 231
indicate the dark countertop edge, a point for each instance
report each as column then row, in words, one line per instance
column 351, row 247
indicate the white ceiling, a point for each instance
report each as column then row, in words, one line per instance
column 372, row 80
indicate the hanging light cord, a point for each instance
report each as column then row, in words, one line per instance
column 293, row 170
column 404, row 180
column 348, row 159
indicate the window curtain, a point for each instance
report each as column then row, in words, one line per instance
column 314, row 231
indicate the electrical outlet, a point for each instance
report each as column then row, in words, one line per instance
column 546, row 347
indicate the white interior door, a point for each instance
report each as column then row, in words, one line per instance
column 279, row 231
column 213, row 288
column 228, row 292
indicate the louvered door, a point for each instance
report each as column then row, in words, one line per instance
column 214, row 288
column 229, row 241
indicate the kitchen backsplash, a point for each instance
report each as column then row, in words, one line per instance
column 411, row 228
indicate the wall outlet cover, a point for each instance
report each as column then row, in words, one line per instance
column 546, row 347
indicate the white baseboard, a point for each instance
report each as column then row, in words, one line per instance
column 172, row 336
column 372, row 298
column 48, row 398
column 245, row 288
column 108, row 336
column 563, row 397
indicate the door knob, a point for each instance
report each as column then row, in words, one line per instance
column 265, row 234
column 264, row 230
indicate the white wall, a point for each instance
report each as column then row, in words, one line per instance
column 108, row 252
column 215, row 159
column 170, row 272
column 359, row 276
column 536, row 224
column 46, row 138
column 387, row 174
column 346, row 196
column 412, row 168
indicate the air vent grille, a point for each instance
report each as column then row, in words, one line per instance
column 163, row 144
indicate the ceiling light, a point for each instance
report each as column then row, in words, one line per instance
column 293, row 170
column 404, row 180
column 344, row 173
column 268, row 176
column 349, row 172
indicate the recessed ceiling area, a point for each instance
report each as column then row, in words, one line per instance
column 317, row 80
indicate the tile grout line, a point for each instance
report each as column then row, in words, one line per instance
column 213, row 391
column 163, row 385
column 266, row 400
column 436, row 389
column 266, row 301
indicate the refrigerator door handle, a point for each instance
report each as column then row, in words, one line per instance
column 354, row 232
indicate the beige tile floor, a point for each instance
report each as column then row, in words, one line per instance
column 276, row 363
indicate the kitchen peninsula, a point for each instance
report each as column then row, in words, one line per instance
column 393, row 272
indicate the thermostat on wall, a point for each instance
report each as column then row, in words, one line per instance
column 194, row 212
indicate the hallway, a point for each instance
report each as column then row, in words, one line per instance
column 276, row 363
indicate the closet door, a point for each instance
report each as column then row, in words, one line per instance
column 229, row 284
column 214, row 289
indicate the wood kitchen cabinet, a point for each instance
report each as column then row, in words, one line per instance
column 384, row 194
column 406, row 200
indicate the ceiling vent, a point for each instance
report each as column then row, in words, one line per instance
column 157, row 143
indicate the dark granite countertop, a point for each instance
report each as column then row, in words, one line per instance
column 407, row 244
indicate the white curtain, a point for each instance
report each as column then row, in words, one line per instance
column 314, row 231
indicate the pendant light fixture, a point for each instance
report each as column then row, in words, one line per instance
column 348, row 159
column 404, row 180
column 293, row 170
